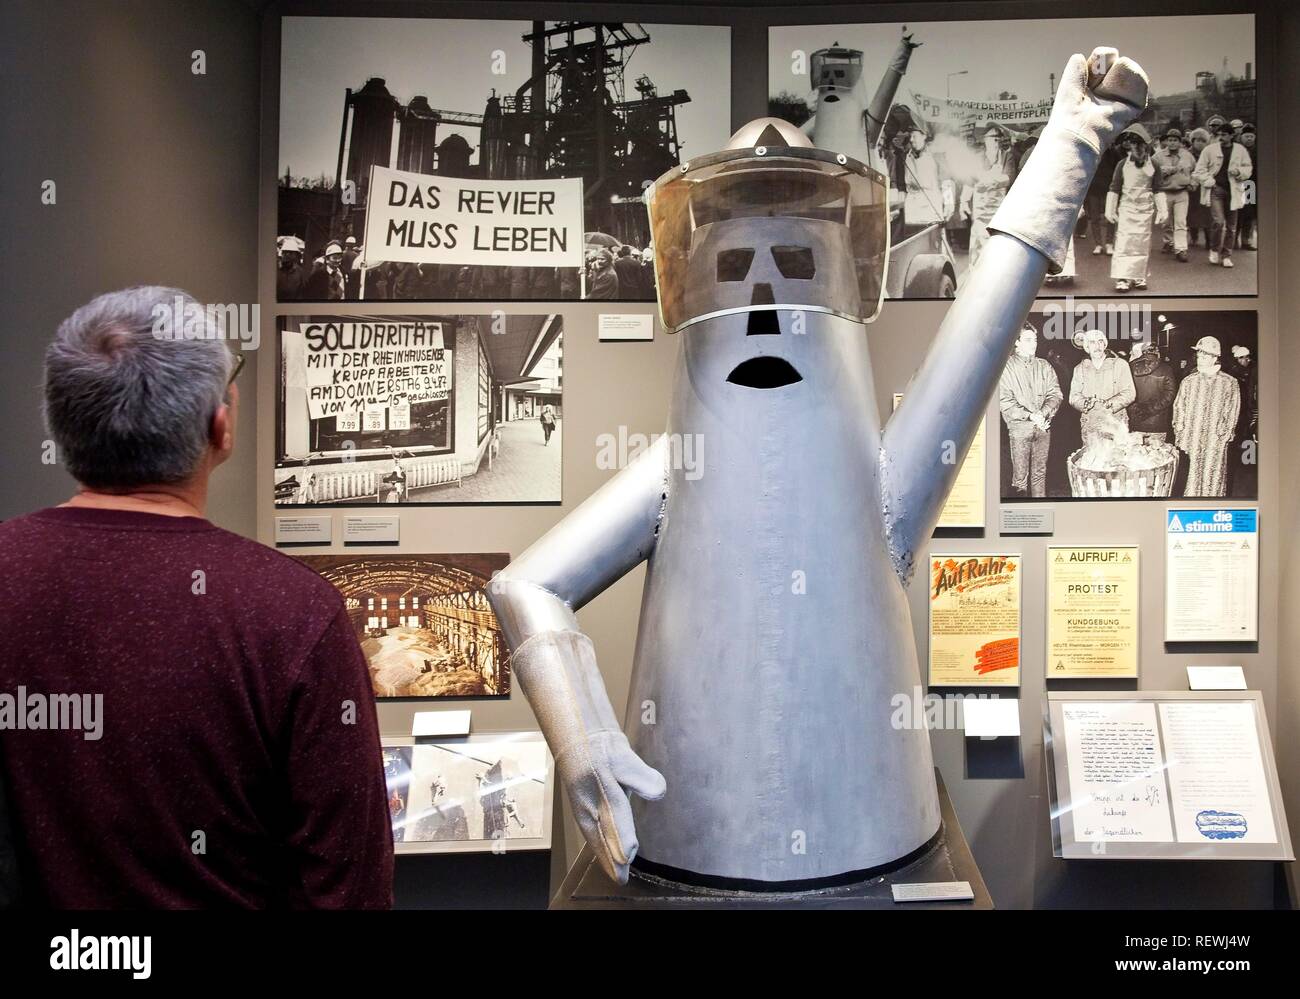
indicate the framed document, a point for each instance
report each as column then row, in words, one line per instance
column 1163, row 775
column 965, row 505
column 1212, row 575
column 477, row 794
column 1092, row 612
column 974, row 620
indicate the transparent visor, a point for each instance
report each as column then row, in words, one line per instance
column 801, row 228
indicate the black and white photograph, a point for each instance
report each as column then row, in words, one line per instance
column 419, row 410
column 1172, row 208
column 1132, row 403
column 423, row 621
column 426, row 159
column 469, row 795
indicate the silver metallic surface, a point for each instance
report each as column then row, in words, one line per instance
column 775, row 645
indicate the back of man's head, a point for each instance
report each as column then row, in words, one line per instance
column 132, row 381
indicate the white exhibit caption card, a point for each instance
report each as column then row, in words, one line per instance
column 1212, row 575
column 933, row 891
column 440, row 723
column 1026, row 520
column 990, row 717
column 303, row 530
column 1216, row 678
column 370, row 530
column 626, row 326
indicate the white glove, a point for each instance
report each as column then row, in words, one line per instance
column 558, row 673
column 1097, row 99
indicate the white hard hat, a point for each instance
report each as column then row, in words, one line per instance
column 1208, row 345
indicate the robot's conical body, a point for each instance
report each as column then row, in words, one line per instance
column 774, row 630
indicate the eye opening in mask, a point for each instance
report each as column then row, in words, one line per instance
column 795, row 262
column 733, row 263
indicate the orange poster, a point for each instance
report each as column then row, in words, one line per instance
column 974, row 620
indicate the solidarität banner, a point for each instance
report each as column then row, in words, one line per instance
column 353, row 367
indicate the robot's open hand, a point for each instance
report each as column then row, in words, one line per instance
column 1099, row 96
column 596, row 764
column 598, row 773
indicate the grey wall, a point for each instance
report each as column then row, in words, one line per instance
column 156, row 181
column 1288, row 306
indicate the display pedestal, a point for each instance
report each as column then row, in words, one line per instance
column 586, row 886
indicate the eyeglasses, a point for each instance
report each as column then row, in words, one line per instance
column 239, row 366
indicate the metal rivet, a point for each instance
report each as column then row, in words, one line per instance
column 760, row 150
column 841, row 159
column 685, row 167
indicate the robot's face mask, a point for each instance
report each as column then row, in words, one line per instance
column 767, row 233
column 835, row 69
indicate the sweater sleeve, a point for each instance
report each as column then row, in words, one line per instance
column 339, row 835
column 1117, row 178
column 1052, row 398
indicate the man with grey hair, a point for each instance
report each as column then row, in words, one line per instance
column 237, row 762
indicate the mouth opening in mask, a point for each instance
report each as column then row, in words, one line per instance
column 764, row 373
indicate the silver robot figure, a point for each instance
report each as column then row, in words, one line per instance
column 775, row 630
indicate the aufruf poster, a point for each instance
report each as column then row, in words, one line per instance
column 974, row 620
column 1092, row 612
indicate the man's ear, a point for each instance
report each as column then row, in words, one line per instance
column 221, row 433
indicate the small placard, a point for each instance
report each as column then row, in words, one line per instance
column 626, row 326
column 440, row 723
column 1216, row 678
column 1027, row 520
column 934, row 891
column 990, row 717
column 303, row 530
column 370, row 530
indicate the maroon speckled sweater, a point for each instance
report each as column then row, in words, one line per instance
column 230, row 771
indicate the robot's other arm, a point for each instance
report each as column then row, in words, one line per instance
column 927, row 438
column 535, row 598
column 883, row 99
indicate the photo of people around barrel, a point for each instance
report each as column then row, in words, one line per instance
column 1110, row 403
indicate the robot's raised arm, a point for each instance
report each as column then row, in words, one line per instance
column 927, row 438
column 535, row 598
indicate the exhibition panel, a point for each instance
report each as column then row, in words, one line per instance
column 783, row 508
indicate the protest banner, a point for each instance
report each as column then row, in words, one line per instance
column 420, row 218
column 355, row 367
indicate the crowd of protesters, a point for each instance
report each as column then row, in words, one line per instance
column 1192, row 191
column 340, row 272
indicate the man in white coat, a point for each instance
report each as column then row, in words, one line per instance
column 1221, row 174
